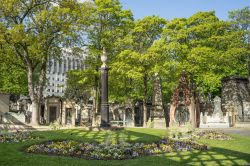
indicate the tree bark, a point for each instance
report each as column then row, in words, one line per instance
column 94, row 108
column 145, row 109
column 34, row 103
column 36, row 94
column 35, row 113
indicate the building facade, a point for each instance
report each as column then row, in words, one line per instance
column 55, row 108
column 57, row 70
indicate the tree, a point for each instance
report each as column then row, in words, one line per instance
column 134, row 63
column 205, row 47
column 108, row 24
column 241, row 21
column 13, row 78
column 33, row 30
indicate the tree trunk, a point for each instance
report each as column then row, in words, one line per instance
column 34, row 104
column 96, row 101
column 145, row 109
column 94, row 108
column 36, row 95
column 35, row 113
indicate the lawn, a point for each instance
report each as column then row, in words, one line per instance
column 232, row 152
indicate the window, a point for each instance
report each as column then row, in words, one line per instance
column 73, row 67
column 48, row 90
column 55, row 66
column 78, row 64
column 64, row 66
column 60, row 67
column 50, row 66
column 69, row 64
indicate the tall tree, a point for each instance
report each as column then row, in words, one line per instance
column 13, row 78
column 135, row 61
column 211, row 49
column 241, row 21
column 33, row 30
column 109, row 24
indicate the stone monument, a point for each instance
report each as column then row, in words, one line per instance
column 217, row 119
column 157, row 113
column 182, row 109
column 235, row 98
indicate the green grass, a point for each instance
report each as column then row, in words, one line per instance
column 233, row 152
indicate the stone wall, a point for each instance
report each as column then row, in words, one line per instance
column 236, row 98
column 4, row 105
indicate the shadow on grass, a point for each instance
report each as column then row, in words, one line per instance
column 223, row 155
column 214, row 156
column 99, row 136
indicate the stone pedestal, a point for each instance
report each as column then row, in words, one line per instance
column 104, row 92
column 157, row 114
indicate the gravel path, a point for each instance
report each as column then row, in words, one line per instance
column 240, row 131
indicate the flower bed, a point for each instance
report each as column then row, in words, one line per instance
column 16, row 137
column 212, row 134
column 95, row 151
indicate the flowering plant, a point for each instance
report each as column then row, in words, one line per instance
column 119, row 151
column 212, row 134
column 16, row 137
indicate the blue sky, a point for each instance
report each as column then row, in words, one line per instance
column 170, row 9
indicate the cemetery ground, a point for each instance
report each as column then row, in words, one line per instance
column 220, row 152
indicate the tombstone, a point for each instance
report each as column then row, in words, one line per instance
column 217, row 119
column 157, row 113
column 129, row 116
column 85, row 116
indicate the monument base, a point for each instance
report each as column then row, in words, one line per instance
column 159, row 123
column 215, row 125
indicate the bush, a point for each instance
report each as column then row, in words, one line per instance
column 55, row 125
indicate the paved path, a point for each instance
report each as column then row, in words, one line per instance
column 233, row 130
column 240, row 131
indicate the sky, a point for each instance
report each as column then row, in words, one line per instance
column 170, row 9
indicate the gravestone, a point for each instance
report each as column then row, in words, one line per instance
column 129, row 117
column 217, row 119
column 157, row 113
